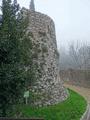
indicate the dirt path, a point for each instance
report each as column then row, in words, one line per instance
column 85, row 92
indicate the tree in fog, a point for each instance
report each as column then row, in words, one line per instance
column 76, row 57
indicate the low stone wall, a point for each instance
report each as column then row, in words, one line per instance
column 86, row 115
column 76, row 77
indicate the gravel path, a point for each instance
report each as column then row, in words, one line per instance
column 85, row 92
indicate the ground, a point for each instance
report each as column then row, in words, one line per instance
column 85, row 92
column 70, row 109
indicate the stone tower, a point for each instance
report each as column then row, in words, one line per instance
column 32, row 6
column 48, row 88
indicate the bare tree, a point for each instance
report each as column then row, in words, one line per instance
column 80, row 54
column 77, row 57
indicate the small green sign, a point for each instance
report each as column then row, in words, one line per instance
column 26, row 94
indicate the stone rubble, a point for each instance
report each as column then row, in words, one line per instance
column 48, row 89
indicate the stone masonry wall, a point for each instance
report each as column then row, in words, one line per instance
column 48, row 87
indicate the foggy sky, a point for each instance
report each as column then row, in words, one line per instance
column 71, row 17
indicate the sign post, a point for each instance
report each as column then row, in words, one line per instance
column 26, row 96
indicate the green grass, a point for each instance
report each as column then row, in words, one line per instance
column 71, row 109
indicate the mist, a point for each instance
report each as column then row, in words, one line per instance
column 72, row 19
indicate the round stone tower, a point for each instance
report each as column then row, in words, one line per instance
column 48, row 88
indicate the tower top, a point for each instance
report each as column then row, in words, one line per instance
column 32, row 5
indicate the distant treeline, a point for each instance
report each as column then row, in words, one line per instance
column 76, row 57
column 76, row 77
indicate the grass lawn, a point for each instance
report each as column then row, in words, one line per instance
column 71, row 109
